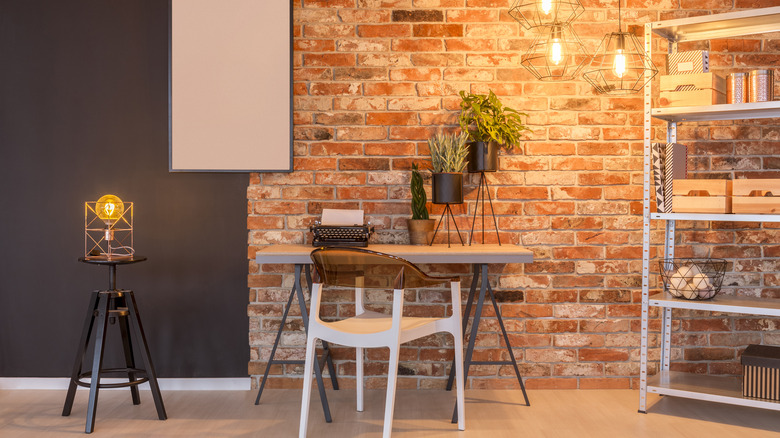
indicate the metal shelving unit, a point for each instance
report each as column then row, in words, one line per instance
column 702, row 387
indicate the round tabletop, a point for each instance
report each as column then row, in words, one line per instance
column 112, row 261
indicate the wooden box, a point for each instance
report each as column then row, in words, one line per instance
column 692, row 90
column 701, row 196
column 761, row 372
column 757, row 196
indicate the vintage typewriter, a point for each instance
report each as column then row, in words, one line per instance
column 341, row 235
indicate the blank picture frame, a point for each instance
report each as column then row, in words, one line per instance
column 230, row 86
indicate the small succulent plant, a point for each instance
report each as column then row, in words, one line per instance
column 419, row 199
column 448, row 152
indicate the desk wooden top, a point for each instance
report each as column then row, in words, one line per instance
column 438, row 253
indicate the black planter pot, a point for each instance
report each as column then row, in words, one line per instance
column 447, row 188
column 483, row 156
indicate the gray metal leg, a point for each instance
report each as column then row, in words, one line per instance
column 483, row 288
column 325, row 346
column 469, row 303
column 297, row 291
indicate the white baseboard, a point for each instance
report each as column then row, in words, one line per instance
column 171, row 384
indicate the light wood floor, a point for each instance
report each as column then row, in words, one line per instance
column 492, row 414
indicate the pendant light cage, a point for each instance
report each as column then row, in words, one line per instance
column 550, row 63
column 619, row 65
column 533, row 14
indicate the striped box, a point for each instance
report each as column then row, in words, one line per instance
column 761, row 372
column 692, row 61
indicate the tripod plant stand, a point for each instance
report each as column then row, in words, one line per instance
column 447, row 210
column 483, row 189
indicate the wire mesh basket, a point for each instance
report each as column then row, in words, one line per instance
column 692, row 279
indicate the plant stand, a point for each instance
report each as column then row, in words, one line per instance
column 447, row 210
column 483, row 189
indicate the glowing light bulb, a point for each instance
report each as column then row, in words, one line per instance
column 546, row 6
column 109, row 208
column 620, row 64
column 556, row 52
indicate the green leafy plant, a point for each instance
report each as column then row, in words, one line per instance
column 419, row 199
column 448, row 152
column 485, row 118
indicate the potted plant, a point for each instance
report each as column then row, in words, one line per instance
column 448, row 157
column 420, row 225
column 490, row 125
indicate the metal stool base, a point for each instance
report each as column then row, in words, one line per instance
column 104, row 306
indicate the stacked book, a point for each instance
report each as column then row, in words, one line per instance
column 670, row 162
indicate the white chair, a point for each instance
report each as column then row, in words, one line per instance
column 362, row 269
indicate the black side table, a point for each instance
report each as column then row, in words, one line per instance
column 105, row 306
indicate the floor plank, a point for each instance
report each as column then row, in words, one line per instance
column 489, row 414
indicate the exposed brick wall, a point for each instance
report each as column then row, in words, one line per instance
column 375, row 78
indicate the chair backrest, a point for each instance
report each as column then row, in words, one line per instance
column 355, row 267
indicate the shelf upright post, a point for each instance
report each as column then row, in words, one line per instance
column 666, row 312
column 648, row 138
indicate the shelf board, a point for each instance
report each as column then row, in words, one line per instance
column 729, row 111
column 719, row 389
column 727, row 25
column 716, row 217
column 721, row 303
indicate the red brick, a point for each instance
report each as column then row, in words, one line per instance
column 392, row 118
column 329, row 59
column 384, row 30
column 389, row 89
column 418, row 45
column 437, row 30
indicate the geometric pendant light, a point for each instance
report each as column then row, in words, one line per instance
column 557, row 54
column 532, row 14
column 620, row 64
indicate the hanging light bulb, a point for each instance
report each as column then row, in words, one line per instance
column 557, row 54
column 620, row 58
column 620, row 65
column 546, row 6
column 556, row 48
column 534, row 14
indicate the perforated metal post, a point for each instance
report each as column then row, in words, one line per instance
column 648, row 138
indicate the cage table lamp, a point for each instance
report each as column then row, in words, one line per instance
column 108, row 228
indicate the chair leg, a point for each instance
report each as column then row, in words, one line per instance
column 359, row 377
column 392, row 379
column 460, row 382
column 308, row 369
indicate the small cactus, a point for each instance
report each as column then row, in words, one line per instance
column 419, row 200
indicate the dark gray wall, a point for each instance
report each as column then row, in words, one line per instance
column 84, row 112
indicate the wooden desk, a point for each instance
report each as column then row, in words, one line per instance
column 477, row 255
column 435, row 254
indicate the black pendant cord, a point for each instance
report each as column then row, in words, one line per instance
column 620, row 23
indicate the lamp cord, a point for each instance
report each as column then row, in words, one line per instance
column 620, row 24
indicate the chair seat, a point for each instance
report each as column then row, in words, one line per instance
column 375, row 322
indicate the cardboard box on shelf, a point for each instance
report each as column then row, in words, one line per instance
column 691, row 61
